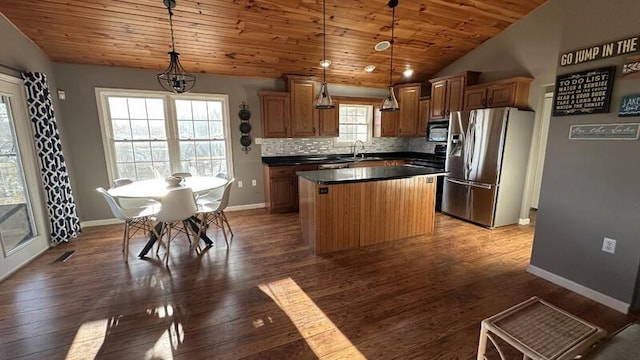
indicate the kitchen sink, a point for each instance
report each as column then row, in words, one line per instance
column 315, row 158
column 359, row 158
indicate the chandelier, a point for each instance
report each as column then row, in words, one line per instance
column 390, row 103
column 323, row 100
column 175, row 78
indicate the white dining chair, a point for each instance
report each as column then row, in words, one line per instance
column 132, row 203
column 211, row 211
column 177, row 208
column 134, row 218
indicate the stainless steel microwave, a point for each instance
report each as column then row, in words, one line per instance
column 438, row 131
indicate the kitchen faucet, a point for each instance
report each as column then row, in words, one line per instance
column 355, row 148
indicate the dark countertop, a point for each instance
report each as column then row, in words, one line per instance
column 350, row 175
column 342, row 158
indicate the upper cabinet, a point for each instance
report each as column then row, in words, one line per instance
column 304, row 117
column 405, row 122
column 447, row 94
column 292, row 114
column 423, row 116
column 274, row 114
column 389, row 123
column 328, row 121
column 409, row 102
column 512, row 92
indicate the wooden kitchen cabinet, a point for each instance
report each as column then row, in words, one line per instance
column 368, row 163
column 278, row 188
column 374, row 163
column 513, row 92
column 475, row 98
column 409, row 102
column 304, row 117
column 291, row 114
column 329, row 121
column 281, row 187
column 274, row 111
column 394, row 163
column 389, row 123
column 406, row 121
column 423, row 116
column 447, row 94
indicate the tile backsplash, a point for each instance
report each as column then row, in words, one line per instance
column 306, row 146
column 421, row 145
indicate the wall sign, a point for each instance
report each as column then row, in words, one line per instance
column 604, row 131
column 585, row 92
column 630, row 106
column 602, row 51
column 632, row 67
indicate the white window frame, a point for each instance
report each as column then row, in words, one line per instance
column 171, row 124
column 370, row 120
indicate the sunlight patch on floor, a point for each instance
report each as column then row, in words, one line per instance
column 88, row 340
column 167, row 344
column 322, row 336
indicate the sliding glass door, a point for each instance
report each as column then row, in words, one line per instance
column 21, row 225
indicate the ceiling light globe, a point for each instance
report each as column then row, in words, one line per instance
column 325, row 63
column 382, row 45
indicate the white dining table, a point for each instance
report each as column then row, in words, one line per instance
column 158, row 188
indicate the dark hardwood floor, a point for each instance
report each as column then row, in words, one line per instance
column 268, row 297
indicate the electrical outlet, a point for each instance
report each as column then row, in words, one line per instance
column 239, row 184
column 258, row 141
column 254, row 182
column 609, row 245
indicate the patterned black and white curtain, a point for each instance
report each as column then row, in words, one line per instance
column 63, row 217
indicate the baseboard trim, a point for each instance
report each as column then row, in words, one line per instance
column 92, row 223
column 580, row 289
column 245, row 207
column 526, row 221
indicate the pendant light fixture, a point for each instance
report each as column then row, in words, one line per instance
column 175, row 78
column 323, row 100
column 390, row 103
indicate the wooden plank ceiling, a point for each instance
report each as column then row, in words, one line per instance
column 266, row 38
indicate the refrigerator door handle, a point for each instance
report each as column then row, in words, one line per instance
column 470, row 183
column 458, row 182
column 480, row 185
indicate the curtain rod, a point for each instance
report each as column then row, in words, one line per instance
column 11, row 68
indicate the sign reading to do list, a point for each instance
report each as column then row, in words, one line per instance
column 603, row 51
column 586, row 92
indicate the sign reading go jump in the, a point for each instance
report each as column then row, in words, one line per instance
column 603, row 51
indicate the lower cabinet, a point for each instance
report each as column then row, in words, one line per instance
column 394, row 163
column 373, row 163
column 281, row 183
column 366, row 163
column 281, row 187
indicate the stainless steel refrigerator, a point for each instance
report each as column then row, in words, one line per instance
column 487, row 158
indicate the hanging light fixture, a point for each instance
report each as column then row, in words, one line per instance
column 323, row 100
column 175, row 78
column 390, row 103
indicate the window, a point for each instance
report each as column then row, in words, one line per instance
column 154, row 134
column 355, row 121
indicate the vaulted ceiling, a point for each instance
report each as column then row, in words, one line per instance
column 266, row 38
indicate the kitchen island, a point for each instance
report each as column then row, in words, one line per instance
column 348, row 208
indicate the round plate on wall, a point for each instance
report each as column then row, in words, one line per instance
column 245, row 140
column 245, row 127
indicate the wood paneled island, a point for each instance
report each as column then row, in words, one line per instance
column 348, row 208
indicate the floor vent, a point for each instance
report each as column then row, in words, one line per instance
column 64, row 257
